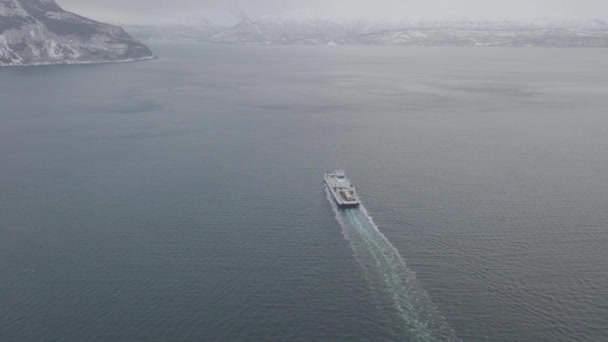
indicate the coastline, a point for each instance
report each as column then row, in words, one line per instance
column 51, row 63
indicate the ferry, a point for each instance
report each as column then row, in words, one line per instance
column 342, row 190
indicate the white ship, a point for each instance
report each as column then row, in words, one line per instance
column 341, row 189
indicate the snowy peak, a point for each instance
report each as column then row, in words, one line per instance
column 281, row 31
column 584, row 33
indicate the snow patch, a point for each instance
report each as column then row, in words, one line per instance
column 11, row 8
column 61, row 16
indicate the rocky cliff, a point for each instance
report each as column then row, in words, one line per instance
column 40, row 32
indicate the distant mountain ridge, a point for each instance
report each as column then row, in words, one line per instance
column 39, row 32
column 584, row 33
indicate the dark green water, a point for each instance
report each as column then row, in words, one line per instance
column 182, row 200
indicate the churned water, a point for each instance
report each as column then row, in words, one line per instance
column 416, row 318
column 182, row 198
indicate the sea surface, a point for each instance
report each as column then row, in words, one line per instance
column 181, row 199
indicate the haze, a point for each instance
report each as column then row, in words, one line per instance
column 175, row 11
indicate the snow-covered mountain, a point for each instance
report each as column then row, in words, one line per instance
column 484, row 37
column 201, row 31
column 279, row 31
column 583, row 33
column 37, row 32
column 447, row 33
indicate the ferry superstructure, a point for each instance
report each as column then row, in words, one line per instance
column 341, row 189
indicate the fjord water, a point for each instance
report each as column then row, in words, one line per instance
column 182, row 198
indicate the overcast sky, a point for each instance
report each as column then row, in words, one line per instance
column 174, row 11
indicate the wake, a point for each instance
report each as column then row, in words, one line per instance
column 389, row 277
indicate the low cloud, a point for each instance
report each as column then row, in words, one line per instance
column 174, row 11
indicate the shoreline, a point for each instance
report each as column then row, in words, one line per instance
column 129, row 60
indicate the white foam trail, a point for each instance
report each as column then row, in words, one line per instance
column 390, row 278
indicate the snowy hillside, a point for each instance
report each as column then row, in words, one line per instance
column 584, row 33
column 37, row 32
